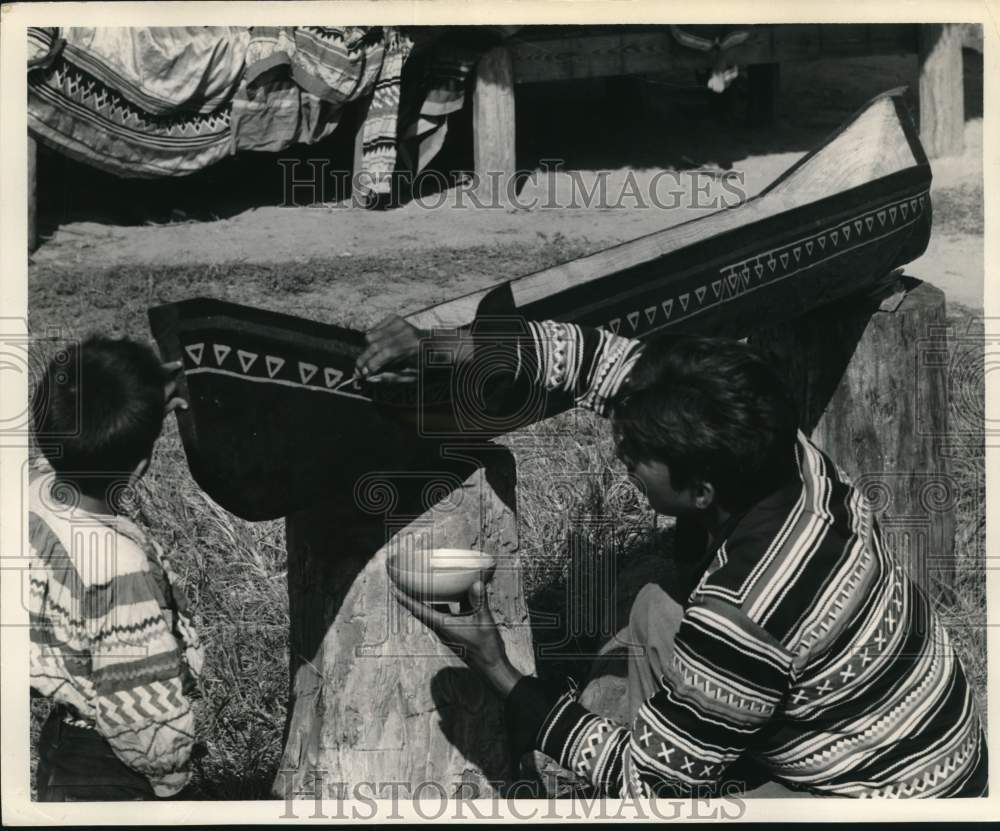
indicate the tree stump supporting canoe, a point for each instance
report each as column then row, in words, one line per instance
column 866, row 374
column 376, row 697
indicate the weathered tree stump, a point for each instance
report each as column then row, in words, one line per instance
column 493, row 125
column 866, row 375
column 942, row 105
column 376, row 697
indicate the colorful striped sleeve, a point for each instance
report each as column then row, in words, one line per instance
column 586, row 363
column 725, row 682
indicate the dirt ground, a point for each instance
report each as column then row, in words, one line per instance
column 637, row 127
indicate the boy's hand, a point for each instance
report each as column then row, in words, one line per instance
column 474, row 638
column 172, row 402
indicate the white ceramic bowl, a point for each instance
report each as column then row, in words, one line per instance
column 440, row 575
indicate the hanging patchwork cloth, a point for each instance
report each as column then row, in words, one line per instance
column 136, row 102
column 169, row 101
column 298, row 80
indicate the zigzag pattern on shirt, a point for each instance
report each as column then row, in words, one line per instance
column 139, row 632
column 159, row 667
column 876, row 729
column 922, row 785
column 714, row 688
column 153, row 702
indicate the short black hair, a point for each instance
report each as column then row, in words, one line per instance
column 712, row 409
column 98, row 410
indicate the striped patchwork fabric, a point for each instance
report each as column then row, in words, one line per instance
column 804, row 644
column 110, row 636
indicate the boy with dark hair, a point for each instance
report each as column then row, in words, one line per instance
column 112, row 644
column 801, row 644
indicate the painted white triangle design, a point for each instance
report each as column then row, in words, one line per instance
column 307, row 371
column 732, row 278
column 685, row 299
column 821, row 241
column 809, row 247
column 913, row 205
column 650, row 314
column 772, row 263
column 247, row 359
column 921, row 200
column 846, row 231
column 615, row 325
column 857, row 225
column 835, row 236
column 717, row 287
column 892, row 214
column 273, row 365
column 869, row 222
column 784, row 259
column 196, row 351
column 905, row 209
column 700, row 293
column 881, row 217
column 221, row 352
column 797, row 252
column 633, row 319
column 745, row 274
column 759, row 269
column 331, row 376
column 668, row 307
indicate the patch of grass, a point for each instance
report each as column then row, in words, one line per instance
column 579, row 532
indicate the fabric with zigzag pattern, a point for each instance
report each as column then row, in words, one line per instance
column 804, row 644
column 111, row 636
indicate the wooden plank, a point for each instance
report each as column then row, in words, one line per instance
column 942, row 107
column 493, row 124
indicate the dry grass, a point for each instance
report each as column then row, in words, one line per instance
column 571, row 525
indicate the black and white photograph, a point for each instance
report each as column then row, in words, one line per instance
column 495, row 413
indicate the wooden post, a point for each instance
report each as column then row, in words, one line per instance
column 32, row 195
column 376, row 697
column 942, row 108
column 493, row 125
column 875, row 404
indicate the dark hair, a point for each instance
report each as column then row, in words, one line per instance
column 98, row 410
column 710, row 409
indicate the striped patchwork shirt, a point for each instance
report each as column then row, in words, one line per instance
column 804, row 644
column 111, row 639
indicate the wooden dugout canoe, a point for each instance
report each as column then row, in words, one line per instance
column 276, row 422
